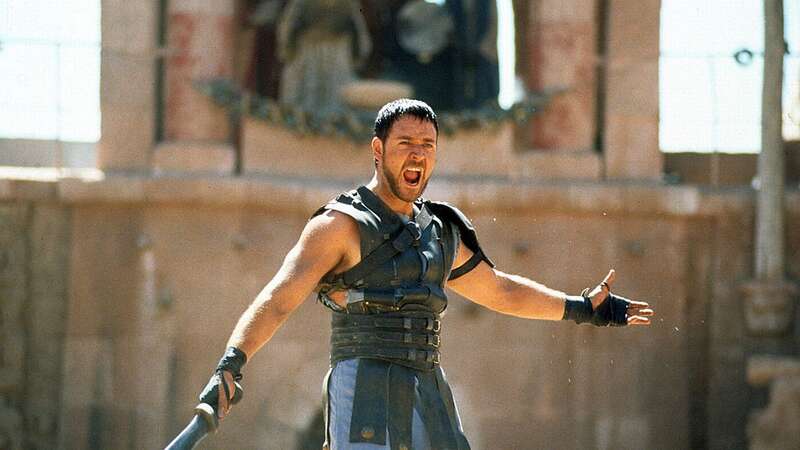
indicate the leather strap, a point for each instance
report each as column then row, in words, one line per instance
column 473, row 261
column 401, row 398
column 368, row 422
column 408, row 235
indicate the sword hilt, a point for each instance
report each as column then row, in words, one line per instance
column 209, row 413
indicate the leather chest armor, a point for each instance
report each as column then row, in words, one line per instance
column 401, row 278
column 394, row 301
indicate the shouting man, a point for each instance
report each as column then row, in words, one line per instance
column 380, row 258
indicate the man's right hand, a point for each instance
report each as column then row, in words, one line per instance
column 220, row 393
column 222, row 390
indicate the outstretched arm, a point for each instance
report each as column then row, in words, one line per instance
column 522, row 297
column 319, row 250
column 322, row 247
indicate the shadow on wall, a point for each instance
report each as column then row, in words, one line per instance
column 312, row 437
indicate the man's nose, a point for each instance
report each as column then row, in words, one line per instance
column 417, row 152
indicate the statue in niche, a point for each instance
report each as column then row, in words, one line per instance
column 320, row 43
column 416, row 49
column 476, row 73
column 447, row 51
column 263, row 69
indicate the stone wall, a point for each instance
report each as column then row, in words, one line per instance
column 34, row 257
column 159, row 270
column 119, row 288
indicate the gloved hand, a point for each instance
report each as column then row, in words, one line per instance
column 223, row 389
column 603, row 308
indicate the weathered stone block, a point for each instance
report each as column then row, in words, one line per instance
column 562, row 54
column 548, row 11
column 127, row 139
column 127, row 101
column 121, row 34
column 88, row 385
column 49, row 241
column 211, row 7
column 202, row 49
column 778, row 425
column 127, row 80
column 634, row 29
column 196, row 157
column 272, row 149
column 484, row 151
column 631, row 147
column 566, row 123
column 632, row 88
column 545, row 165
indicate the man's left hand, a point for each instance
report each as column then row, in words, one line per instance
column 638, row 313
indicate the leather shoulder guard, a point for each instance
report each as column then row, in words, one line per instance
column 450, row 213
column 344, row 203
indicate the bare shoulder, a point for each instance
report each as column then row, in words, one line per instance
column 331, row 225
column 331, row 231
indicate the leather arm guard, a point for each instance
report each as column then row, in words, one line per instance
column 232, row 361
column 612, row 312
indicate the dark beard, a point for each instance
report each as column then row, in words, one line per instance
column 395, row 188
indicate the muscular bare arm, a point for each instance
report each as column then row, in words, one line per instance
column 506, row 293
column 522, row 297
column 323, row 246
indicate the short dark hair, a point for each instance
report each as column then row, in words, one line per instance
column 393, row 110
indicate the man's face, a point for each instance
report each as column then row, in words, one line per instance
column 407, row 157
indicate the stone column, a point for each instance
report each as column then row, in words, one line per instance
column 561, row 54
column 153, row 350
column 200, row 39
column 49, row 241
column 14, row 293
column 630, row 145
column 778, row 425
column 769, row 307
column 127, row 80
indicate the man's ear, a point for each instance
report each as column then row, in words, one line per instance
column 377, row 150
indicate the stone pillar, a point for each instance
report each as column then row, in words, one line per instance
column 127, row 80
column 561, row 54
column 153, row 350
column 769, row 307
column 14, row 260
column 778, row 425
column 200, row 37
column 630, row 145
column 49, row 237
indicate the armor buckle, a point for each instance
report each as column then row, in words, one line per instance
column 433, row 325
column 434, row 340
column 415, row 230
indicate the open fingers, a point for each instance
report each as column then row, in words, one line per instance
column 609, row 280
column 646, row 312
column 635, row 304
column 638, row 320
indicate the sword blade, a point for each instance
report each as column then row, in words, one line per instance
column 190, row 436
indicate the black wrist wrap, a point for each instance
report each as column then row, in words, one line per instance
column 232, row 360
column 577, row 308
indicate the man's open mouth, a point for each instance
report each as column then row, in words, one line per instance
column 412, row 176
